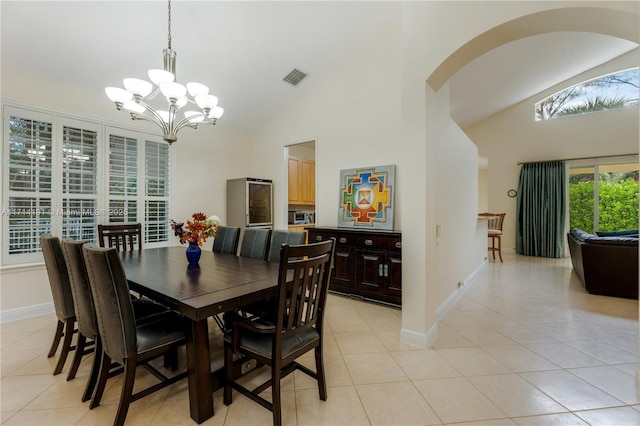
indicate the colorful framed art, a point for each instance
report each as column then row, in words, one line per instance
column 366, row 197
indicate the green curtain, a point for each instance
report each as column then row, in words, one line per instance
column 540, row 209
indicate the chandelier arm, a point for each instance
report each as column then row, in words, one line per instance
column 186, row 123
column 154, row 117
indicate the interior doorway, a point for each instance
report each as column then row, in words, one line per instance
column 301, row 185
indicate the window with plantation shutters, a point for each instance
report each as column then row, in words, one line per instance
column 65, row 176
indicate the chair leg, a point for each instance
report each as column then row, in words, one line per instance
column 500, row 247
column 322, row 384
column 275, row 394
column 127, row 390
column 77, row 358
column 105, row 365
column 171, row 359
column 228, row 372
column 95, row 370
column 66, row 345
column 56, row 339
column 493, row 247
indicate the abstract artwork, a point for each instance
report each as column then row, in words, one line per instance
column 366, row 197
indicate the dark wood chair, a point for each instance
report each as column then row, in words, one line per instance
column 255, row 243
column 297, row 329
column 144, row 311
column 122, row 237
column 226, row 240
column 62, row 299
column 494, row 231
column 123, row 340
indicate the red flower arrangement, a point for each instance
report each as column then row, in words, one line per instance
column 196, row 230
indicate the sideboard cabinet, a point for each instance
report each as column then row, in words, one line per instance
column 367, row 264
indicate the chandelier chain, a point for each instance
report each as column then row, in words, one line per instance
column 169, row 25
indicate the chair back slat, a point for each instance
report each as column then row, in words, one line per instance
column 122, row 237
column 302, row 286
column 494, row 220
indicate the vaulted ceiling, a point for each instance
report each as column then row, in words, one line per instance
column 243, row 50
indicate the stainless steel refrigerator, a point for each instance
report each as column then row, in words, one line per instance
column 250, row 203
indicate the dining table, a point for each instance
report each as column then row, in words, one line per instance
column 218, row 284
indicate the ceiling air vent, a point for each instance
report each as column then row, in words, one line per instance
column 295, row 77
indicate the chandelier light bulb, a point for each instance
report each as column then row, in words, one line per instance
column 159, row 77
column 196, row 89
column 118, row 95
column 216, row 112
column 173, row 90
column 206, row 101
column 134, row 107
column 138, row 87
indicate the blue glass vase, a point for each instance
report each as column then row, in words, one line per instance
column 193, row 253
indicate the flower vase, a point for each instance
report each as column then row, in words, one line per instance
column 193, row 253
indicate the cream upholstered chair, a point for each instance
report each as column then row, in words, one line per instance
column 494, row 231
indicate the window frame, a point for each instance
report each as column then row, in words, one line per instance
column 57, row 195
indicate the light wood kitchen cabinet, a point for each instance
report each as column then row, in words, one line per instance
column 302, row 181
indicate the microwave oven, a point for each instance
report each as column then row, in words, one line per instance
column 296, row 217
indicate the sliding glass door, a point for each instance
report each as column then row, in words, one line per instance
column 604, row 197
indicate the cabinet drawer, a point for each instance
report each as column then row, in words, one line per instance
column 378, row 243
column 341, row 240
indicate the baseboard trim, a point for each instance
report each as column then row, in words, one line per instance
column 420, row 340
column 26, row 312
column 457, row 294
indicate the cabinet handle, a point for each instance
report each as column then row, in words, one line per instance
column 343, row 240
column 368, row 242
column 380, row 270
column 386, row 270
column 398, row 245
column 318, row 237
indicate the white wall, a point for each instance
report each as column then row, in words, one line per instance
column 513, row 136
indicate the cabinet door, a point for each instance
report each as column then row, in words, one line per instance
column 394, row 283
column 307, row 181
column 342, row 268
column 294, row 181
column 370, row 275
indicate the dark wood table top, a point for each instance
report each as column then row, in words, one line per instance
column 220, row 283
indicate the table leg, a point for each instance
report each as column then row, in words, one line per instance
column 199, row 368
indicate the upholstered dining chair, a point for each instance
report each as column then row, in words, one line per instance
column 226, row 240
column 123, row 341
column 494, row 232
column 280, row 237
column 62, row 299
column 255, row 243
column 123, row 237
column 303, row 280
column 144, row 311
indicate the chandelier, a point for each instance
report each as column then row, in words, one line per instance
column 136, row 94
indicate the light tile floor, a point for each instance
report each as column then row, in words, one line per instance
column 525, row 345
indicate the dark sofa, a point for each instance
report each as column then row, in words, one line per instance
column 607, row 265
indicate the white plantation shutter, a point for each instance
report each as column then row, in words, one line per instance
column 80, row 213
column 123, row 179
column 156, row 192
column 28, row 182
